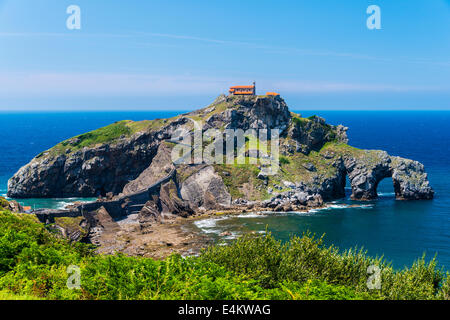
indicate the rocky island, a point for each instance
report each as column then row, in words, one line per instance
column 128, row 166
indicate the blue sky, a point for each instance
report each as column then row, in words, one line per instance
column 181, row 54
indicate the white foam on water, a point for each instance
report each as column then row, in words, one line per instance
column 252, row 215
column 209, row 225
column 366, row 206
column 333, row 206
column 337, row 206
column 305, row 213
column 386, row 194
column 62, row 205
column 329, row 207
column 67, row 202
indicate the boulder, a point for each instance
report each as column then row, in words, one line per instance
column 171, row 202
column 205, row 187
column 148, row 215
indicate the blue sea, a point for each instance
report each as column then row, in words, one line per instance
column 400, row 231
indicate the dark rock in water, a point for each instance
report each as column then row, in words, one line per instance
column 410, row 180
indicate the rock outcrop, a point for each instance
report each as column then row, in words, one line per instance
column 365, row 169
column 410, row 180
column 137, row 173
column 91, row 171
column 205, row 188
column 160, row 167
column 11, row 205
column 313, row 134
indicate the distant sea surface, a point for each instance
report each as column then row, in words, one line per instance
column 401, row 231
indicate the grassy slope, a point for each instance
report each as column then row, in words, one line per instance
column 33, row 265
column 108, row 134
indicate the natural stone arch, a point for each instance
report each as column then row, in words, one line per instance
column 408, row 177
column 365, row 173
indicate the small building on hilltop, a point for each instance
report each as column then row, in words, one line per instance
column 243, row 90
column 273, row 94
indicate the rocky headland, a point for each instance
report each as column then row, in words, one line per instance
column 128, row 166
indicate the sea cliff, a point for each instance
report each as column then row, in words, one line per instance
column 128, row 166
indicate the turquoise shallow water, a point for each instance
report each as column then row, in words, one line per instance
column 402, row 231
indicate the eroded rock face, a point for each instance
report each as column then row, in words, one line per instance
column 251, row 112
column 149, row 215
column 92, row 171
column 160, row 167
column 131, row 165
column 99, row 222
column 313, row 134
column 365, row 173
column 85, row 173
column 410, row 180
column 205, row 188
column 171, row 202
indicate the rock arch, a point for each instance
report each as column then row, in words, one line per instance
column 408, row 177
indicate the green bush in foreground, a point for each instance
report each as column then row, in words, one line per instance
column 33, row 264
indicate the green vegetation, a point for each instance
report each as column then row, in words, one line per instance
column 298, row 120
column 306, row 259
column 71, row 224
column 5, row 295
column 242, row 180
column 4, row 204
column 284, row 160
column 33, row 264
column 108, row 134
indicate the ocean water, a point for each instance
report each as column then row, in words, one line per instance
column 24, row 135
column 400, row 230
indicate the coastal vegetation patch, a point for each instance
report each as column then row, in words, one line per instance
column 34, row 261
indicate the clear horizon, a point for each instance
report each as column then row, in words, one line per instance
column 179, row 56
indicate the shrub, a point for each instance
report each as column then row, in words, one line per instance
column 33, row 264
column 284, row 160
column 305, row 259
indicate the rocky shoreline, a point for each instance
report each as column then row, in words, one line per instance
column 129, row 167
